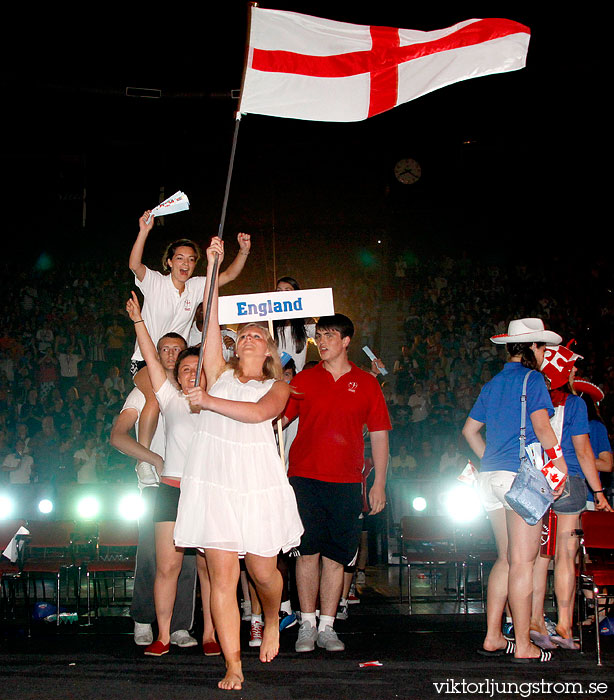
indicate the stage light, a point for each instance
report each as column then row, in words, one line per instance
column 88, row 507
column 131, row 506
column 45, row 506
column 419, row 504
column 7, row 506
column 462, row 504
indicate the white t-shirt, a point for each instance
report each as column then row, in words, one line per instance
column 21, row 468
column 87, row 470
column 180, row 426
column 164, row 309
column 195, row 338
column 69, row 364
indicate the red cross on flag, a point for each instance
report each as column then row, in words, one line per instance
column 306, row 67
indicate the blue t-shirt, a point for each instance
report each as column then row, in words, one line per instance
column 600, row 442
column 575, row 422
column 498, row 407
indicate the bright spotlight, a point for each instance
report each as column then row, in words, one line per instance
column 462, row 504
column 88, row 507
column 7, row 506
column 45, row 506
column 131, row 506
column 419, row 504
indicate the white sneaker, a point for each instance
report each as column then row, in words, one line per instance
column 143, row 635
column 246, row 610
column 307, row 635
column 182, row 638
column 147, row 474
column 327, row 639
column 342, row 612
column 361, row 578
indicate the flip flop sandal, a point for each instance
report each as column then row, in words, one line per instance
column 565, row 643
column 509, row 648
column 543, row 657
column 541, row 640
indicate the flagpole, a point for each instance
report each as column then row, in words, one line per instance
column 220, row 231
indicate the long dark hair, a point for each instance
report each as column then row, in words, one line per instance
column 299, row 334
column 527, row 356
column 591, row 407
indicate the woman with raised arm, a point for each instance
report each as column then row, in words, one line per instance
column 235, row 496
column 170, row 302
column 179, row 426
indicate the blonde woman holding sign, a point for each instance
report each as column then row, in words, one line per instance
column 235, row 497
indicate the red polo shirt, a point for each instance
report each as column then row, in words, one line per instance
column 329, row 444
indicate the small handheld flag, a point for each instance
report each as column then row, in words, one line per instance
column 178, row 202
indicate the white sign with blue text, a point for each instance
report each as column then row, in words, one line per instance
column 265, row 306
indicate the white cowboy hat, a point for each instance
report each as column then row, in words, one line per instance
column 527, row 330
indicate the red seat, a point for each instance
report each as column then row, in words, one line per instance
column 115, row 557
column 9, row 571
column 428, row 541
column 47, row 553
column 596, row 564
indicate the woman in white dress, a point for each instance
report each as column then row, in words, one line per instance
column 235, row 497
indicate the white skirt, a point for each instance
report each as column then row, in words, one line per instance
column 235, row 494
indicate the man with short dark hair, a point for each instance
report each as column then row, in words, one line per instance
column 333, row 400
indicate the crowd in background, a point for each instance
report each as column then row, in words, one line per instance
column 65, row 346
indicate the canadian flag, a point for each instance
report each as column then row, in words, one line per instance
column 306, row 67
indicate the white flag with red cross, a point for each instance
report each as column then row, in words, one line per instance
column 306, row 67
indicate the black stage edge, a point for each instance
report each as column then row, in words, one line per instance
column 423, row 656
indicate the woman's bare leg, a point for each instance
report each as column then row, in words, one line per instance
column 523, row 547
column 540, row 583
column 565, row 572
column 268, row 582
column 496, row 596
column 148, row 420
column 205, row 595
column 224, row 575
column 168, row 565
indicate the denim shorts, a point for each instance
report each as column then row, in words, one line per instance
column 573, row 500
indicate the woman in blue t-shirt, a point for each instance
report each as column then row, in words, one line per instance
column 571, row 425
column 498, row 408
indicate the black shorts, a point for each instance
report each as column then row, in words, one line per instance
column 167, row 500
column 332, row 518
column 136, row 366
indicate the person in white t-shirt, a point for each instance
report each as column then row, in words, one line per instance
column 170, row 302
column 179, row 426
column 150, row 466
column 18, row 464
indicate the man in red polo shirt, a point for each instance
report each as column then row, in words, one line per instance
column 333, row 401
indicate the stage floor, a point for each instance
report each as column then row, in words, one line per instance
column 427, row 654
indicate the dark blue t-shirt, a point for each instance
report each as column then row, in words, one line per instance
column 575, row 422
column 600, row 442
column 498, row 407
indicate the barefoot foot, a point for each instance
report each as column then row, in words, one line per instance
column 270, row 643
column 233, row 680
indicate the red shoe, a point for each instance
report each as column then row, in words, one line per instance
column 211, row 649
column 157, row 649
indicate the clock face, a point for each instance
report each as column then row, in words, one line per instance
column 407, row 171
